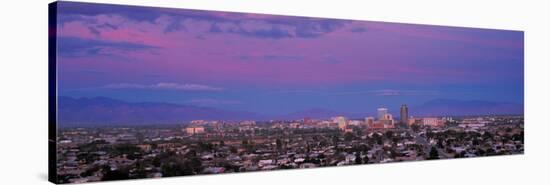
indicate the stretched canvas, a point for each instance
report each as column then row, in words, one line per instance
column 144, row 92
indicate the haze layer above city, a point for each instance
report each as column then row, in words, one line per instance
column 256, row 66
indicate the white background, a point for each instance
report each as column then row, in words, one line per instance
column 23, row 91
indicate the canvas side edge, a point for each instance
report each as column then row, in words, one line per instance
column 52, row 92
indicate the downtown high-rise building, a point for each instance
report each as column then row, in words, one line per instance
column 342, row 122
column 404, row 114
column 369, row 120
column 381, row 113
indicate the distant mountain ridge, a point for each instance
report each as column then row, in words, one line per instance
column 442, row 107
column 107, row 111
column 99, row 111
column 317, row 113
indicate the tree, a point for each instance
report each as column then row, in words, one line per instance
column 430, row 134
column 335, row 140
column 131, row 151
column 508, row 130
column 88, row 158
column 366, row 160
column 490, row 152
column 358, row 159
column 195, row 164
column 440, row 143
column 434, row 154
column 415, row 127
column 140, row 171
column 389, row 134
column 378, row 139
column 279, row 144
column 232, row 149
column 518, row 137
column 119, row 174
column 476, row 142
column 487, row 136
column 177, row 167
column 349, row 136
column 362, row 148
column 205, row 146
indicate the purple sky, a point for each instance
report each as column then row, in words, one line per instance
column 279, row 64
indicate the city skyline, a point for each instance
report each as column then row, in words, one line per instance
column 102, row 111
column 279, row 64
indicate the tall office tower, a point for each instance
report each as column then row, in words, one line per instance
column 342, row 123
column 404, row 114
column 381, row 113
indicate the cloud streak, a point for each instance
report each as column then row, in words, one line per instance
column 80, row 47
column 213, row 102
column 164, row 86
column 392, row 92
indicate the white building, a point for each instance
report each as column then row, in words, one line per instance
column 194, row 130
column 382, row 112
column 341, row 120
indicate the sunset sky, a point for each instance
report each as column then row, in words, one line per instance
column 279, row 64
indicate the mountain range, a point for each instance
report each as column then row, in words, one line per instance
column 449, row 107
column 98, row 111
column 107, row 111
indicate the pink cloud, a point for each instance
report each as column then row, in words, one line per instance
column 337, row 57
